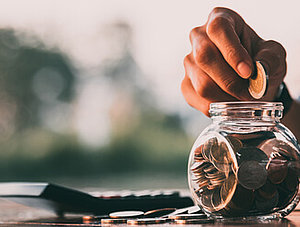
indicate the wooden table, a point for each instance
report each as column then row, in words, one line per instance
column 12, row 214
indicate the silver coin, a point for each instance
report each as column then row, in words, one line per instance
column 126, row 214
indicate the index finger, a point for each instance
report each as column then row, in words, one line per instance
column 222, row 28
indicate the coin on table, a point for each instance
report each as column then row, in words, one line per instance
column 258, row 82
column 159, row 212
column 113, row 221
column 180, row 211
column 193, row 221
column 146, row 221
column 195, row 210
column 188, row 216
column 126, row 214
column 252, row 175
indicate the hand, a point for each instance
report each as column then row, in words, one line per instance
column 222, row 60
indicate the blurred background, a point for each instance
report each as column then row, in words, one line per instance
column 90, row 90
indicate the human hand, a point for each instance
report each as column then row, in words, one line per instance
column 222, row 60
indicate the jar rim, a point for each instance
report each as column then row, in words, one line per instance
column 245, row 104
column 247, row 109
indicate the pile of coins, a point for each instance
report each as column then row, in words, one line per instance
column 189, row 215
column 244, row 174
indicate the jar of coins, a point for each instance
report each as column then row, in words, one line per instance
column 246, row 163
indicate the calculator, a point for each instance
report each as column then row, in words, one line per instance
column 63, row 200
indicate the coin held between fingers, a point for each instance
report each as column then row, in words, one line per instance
column 258, row 82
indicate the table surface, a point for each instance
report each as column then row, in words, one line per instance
column 12, row 214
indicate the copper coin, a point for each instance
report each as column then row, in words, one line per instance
column 209, row 169
column 242, row 200
column 188, row 216
column 220, row 153
column 198, row 151
column 215, row 175
column 193, row 221
column 263, row 204
column 207, row 147
column 216, row 199
column 146, row 221
column 258, row 82
column 228, row 188
column 252, row 153
column 113, row 221
column 195, row 166
column 277, row 169
column 180, row 211
column 273, row 147
column 267, row 191
column 291, row 182
column 252, row 175
column 206, row 200
column 236, row 144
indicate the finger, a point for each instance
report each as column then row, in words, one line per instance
column 221, row 29
column 209, row 59
column 273, row 57
column 192, row 98
column 202, row 84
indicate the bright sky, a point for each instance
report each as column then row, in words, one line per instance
column 160, row 32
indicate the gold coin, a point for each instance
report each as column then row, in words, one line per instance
column 258, row 82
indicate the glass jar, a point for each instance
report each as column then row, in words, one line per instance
column 246, row 163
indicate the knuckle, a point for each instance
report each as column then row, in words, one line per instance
column 195, row 32
column 230, row 54
column 204, row 53
column 233, row 87
column 276, row 46
column 204, row 89
column 187, row 60
column 216, row 25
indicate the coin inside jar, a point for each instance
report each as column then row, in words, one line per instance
column 252, row 175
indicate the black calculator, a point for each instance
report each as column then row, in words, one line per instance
column 63, row 200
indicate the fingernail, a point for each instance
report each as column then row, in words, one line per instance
column 244, row 70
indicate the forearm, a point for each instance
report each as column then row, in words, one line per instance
column 292, row 119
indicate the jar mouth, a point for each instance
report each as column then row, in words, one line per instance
column 247, row 109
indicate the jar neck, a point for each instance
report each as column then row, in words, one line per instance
column 252, row 113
